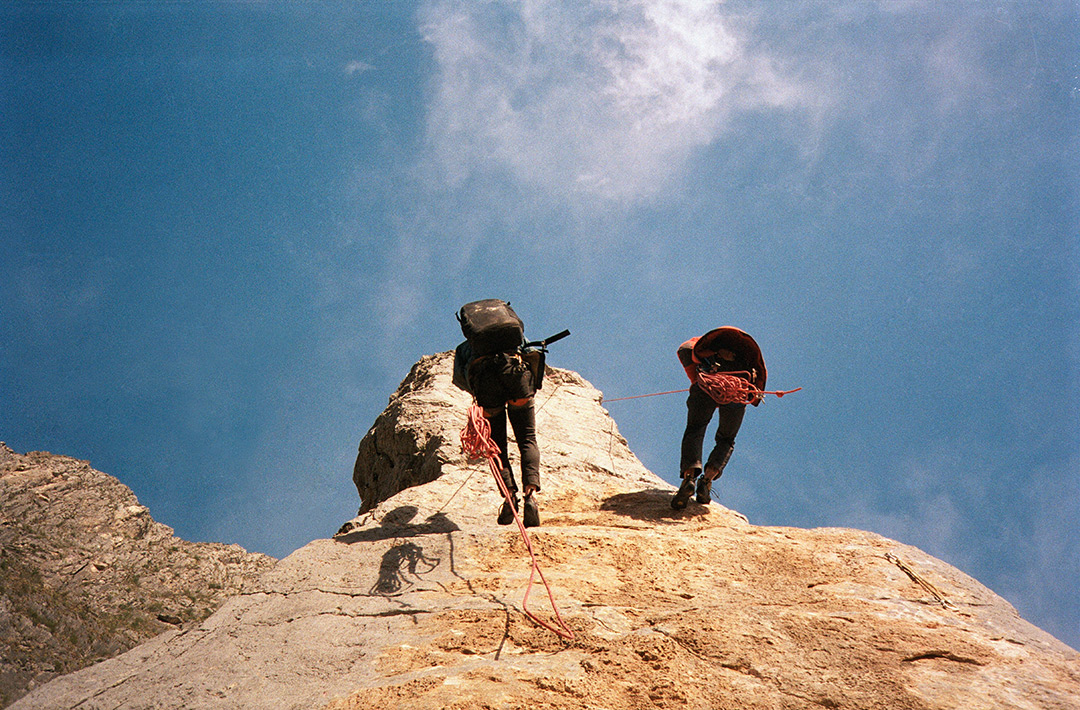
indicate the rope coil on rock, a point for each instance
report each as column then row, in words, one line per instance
column 476, row 442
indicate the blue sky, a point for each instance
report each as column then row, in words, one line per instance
column 228, row 229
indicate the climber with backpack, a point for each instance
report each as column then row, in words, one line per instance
column 727, row 372
column 503, row 372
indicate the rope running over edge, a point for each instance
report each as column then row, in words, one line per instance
column 476, row 442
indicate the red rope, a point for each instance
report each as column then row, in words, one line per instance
column 639, row 396
column 723, row 387
column 733, row 387
column 476, row 442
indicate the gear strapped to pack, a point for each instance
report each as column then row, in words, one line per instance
column 476, row 443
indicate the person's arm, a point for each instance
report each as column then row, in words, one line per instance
column 686, row 358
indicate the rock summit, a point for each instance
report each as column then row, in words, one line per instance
column 417, row 602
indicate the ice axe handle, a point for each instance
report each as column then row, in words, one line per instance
column 549, row 340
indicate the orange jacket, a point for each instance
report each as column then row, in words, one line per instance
column 698, row 352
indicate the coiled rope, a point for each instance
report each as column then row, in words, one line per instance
column 722, row 387
column 733, row 388
column 476, row 442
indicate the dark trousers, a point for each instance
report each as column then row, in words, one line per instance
column 699, row 411
column 523, row 421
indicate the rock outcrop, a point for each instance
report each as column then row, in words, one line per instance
column 86, row 573
column 417, row 602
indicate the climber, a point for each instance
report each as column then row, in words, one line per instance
column 490, row 365
column 723, row 350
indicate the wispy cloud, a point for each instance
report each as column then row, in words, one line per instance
column 356, row 67
column 589, row 97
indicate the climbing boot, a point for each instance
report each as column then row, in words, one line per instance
column 506, row 515
column 531, row 514
column 682, row 496
column 704, row 490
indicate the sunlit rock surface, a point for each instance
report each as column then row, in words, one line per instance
column 417, row 602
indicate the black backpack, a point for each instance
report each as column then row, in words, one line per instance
column 491, row 326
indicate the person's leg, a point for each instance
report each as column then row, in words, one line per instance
column 729, row 419
column 497, row 417
column 522, row 418
column 699, row 411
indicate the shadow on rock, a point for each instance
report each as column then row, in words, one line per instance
column 653, row 505
column 396, row 524
column 399, row 563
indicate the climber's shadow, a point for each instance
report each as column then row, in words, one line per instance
column 653, row 505
column 398, row 524
column 400, row 565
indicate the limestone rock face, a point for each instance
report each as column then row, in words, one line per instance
column 417, row 602
column 417, row 440
column 86, row 573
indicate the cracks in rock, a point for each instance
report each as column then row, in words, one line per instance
column 382, row 455
column 317, row 590
column 941, row 598
column 383, row 458
column 91, row 698
column 942, row 655
column 371, row 615
column 71, row 576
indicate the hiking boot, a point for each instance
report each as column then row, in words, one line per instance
column 682, row 496
column 506, row 515
column 531, row 514
column 704, row 491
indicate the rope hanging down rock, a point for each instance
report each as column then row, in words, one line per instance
column 477, row 443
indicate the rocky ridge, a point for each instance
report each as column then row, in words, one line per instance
column 86, row 573
column 417, row 602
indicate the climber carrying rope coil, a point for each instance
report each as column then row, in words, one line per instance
column 727, row 372
column 503, row 372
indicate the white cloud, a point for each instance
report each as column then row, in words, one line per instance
column 356, row 67
column 588, row 97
